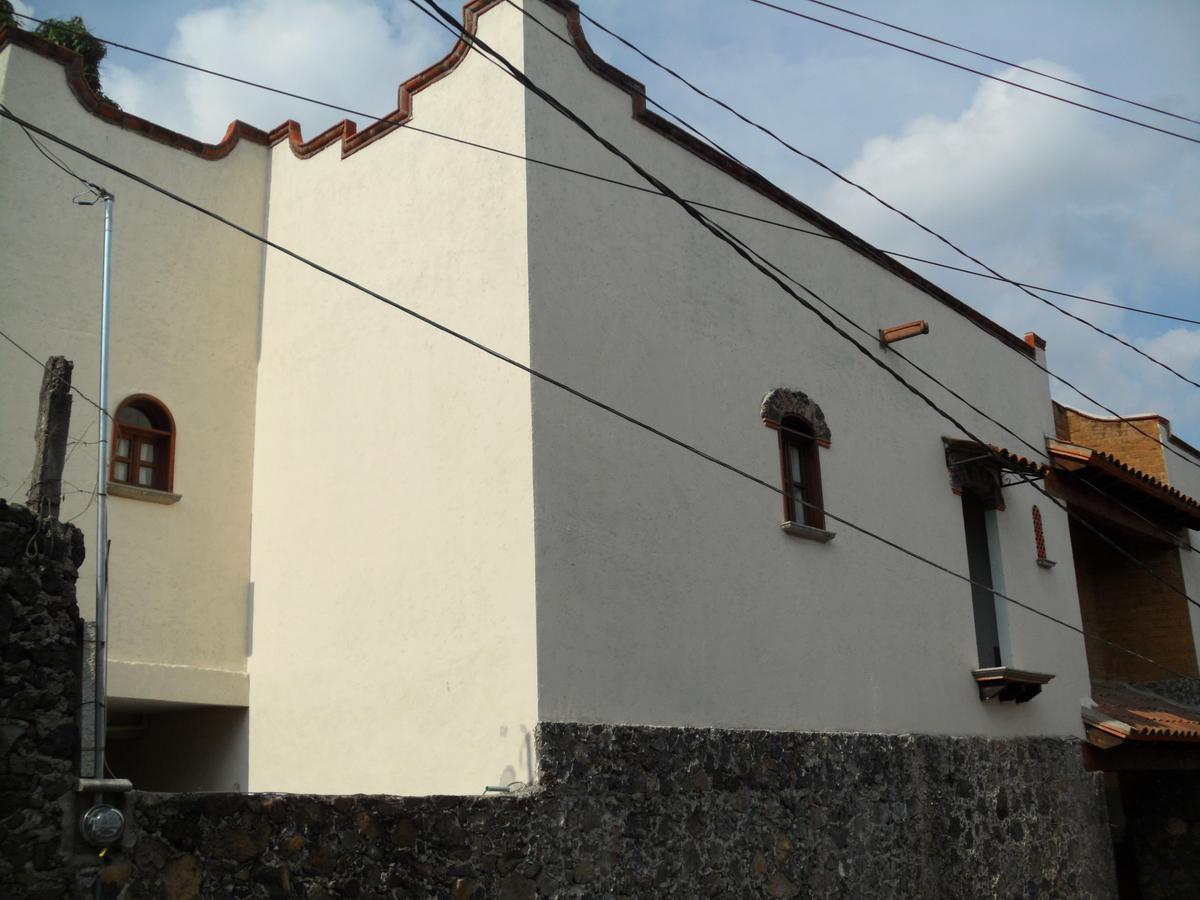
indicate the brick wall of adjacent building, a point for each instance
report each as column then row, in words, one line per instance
column 1121, row 439
column 1126, row 604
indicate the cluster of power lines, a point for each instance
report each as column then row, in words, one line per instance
column 765, row 267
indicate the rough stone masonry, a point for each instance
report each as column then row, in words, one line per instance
column 671, row 812
column 619, row 811
column 40, row 634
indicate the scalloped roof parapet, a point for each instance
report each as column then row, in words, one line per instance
column 72, row 64
column 1136, row 417
column 347, row 131
column 352, row 139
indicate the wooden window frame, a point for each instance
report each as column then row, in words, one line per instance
column 797, row 433
column 163, row 440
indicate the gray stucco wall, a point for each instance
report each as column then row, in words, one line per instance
column 667, row 594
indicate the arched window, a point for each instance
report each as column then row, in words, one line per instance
column 143, row 444
column 802, row 432
column 801, row 473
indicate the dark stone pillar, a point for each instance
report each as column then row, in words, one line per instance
column 1162, row 821
column 40, row 634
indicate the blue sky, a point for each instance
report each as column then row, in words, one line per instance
column 1042, row 192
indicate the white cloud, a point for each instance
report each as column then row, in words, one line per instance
column 1179, row 348
column 1057, row 196
column 352, row 53
column 26, row 10
column 1012, row 159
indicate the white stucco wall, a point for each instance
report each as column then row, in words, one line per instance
column 185, row 297
column 1184, row 474
column 393, row 518
column 666, row 592
column 442, row 554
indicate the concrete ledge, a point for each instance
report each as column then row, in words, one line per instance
column 807, row 532
column 128, row 680
column 133, row 492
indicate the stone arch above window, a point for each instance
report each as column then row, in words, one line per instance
column 785, row 403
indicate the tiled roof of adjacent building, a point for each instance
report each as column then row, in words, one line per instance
column 1123, row 712
column 1108, row 471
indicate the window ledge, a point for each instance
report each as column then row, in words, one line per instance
column 1003, row 683
column 807, row 532
column 133, row 492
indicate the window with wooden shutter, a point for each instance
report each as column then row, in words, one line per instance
column 143, row 448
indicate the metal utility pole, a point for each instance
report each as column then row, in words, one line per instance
column 101, row 710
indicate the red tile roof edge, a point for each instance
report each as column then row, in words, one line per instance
column 1124, row 712
column 353, row 140
column 1018, row 462
column 1127, row 473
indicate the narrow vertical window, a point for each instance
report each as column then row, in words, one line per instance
column 801, row 473
column 979, row 566
column 977, row 477
column 802, row 433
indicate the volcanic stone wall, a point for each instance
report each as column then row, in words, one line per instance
column 40, row 634
column 663, row 812
column 1185, row 691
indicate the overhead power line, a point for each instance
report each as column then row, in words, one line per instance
column 641, row 188
column 860, row 328
column 979, row 72
column 950, row 390
column 1039, row 451
column 844, row 179
column 560, row 385
column 373, row 117
column 195, row 68
column 473, row 41
column 872, row 336
column 1035, row 287
column 41, row 365
column 1004, row 62
column 920, row 225
column 763, row 266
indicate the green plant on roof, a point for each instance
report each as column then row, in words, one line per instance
column 70, row 33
